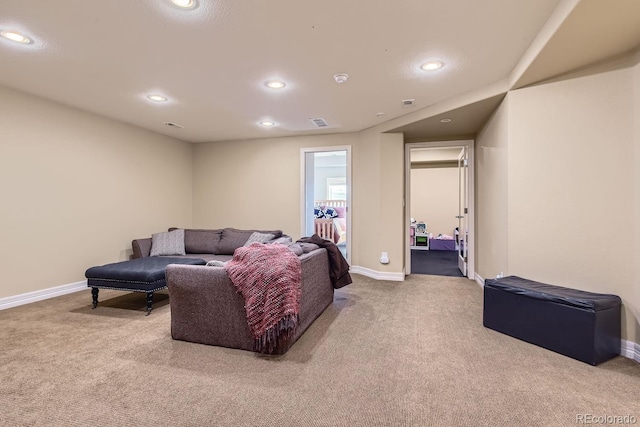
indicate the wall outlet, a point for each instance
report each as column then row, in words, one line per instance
column 384, row 258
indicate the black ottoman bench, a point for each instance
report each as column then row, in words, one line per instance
column 137, row 275
column 579, row 324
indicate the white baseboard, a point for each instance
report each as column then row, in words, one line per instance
column 40, row 295
column 378, row 275
column 479, row 280
column 630, row 350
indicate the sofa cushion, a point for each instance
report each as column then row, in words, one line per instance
column 201, row 241
column 296, row 248
column 167, row 243
column 308, row 247
column 232, row 238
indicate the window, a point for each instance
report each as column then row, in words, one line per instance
column 337, row 188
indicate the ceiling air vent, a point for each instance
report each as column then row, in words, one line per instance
column 407, row 102
column 321, row 123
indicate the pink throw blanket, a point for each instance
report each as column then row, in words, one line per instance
column 269, row 279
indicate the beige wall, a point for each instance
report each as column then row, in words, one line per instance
column 434, row 198
column 256, row 184
column 253, row 183
column 435, row 154
column 570, row 194
column 76, row 188
column 634, row 309
column 491, row 195
column 390, row 227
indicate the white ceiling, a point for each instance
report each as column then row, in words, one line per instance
column 212, row 61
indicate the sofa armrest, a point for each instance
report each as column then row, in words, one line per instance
column 141, row 247
column 206, row 308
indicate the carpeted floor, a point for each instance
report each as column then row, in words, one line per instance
column 438, row 263
column 410, row 353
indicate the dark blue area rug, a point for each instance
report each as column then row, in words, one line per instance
column 437, row 263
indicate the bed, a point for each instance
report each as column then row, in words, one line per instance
column 442, row 245
column 331, row 220
column 443, row 242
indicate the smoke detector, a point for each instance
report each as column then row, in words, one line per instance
column 340, row 78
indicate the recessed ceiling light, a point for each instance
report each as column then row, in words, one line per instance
column 157, row 98
column 380, row 114
column 275, row 84
column 15, row 37
column 432, row 65
column 185, row 4
column 267, row 123
column 340, row 78
column 445, row 120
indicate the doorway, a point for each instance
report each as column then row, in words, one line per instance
column 326, row 195
column 439, row 208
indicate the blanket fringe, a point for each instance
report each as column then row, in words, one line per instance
column 278, row 336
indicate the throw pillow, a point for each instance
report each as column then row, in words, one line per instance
column 330, row 213
column 259, row 237
column 168, row 243
column 318, row 213
column 284, row 240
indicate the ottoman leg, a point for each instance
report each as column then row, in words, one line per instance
column 149, row 303
column 94, row 296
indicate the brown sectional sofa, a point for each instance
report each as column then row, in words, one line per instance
column 205, row 305
column 213, row 244
column 207, row 309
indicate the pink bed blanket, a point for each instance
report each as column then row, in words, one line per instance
column 269, row 279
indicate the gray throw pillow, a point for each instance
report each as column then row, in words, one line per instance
column 259, row 237
column 284, row 240
column 168, row 243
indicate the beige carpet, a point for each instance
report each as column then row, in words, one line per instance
column 410, row 353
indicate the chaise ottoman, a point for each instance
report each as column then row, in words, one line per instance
column 136, row 275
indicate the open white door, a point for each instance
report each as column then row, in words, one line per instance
column 463, row 210
column 325, row 196
column 465, row 216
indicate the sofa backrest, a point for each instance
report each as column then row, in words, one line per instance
column 218, row 241
column 232, row 238
column 202, row 241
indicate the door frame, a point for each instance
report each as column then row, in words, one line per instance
column 463, row 210
column 303, row 175
column 469, row 144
